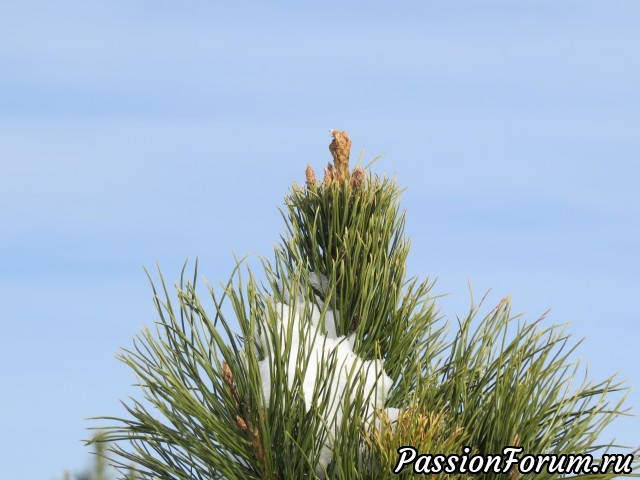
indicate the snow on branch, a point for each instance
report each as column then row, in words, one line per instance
column 332, row 363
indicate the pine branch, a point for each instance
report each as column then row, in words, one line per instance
column 338, row 358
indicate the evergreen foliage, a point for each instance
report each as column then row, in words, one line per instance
column 271, row 400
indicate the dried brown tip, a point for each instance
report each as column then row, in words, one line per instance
column 340, row 148
column 241, row 423
column 311, row 177
column 328, row 175
column 357, row 177
column 227, row 375
column 230, row 381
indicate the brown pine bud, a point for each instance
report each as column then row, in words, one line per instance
column 227, row 375
column 340, row 148
column 328, row 175
column 230, row 381
column 311, row 177
column 357, row 177
column 241, row 423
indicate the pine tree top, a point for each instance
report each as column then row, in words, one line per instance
column 340, row 360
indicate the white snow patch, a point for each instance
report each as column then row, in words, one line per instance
column 324, row 349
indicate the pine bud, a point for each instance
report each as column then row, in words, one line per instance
column 311, row 177
column 340, row 148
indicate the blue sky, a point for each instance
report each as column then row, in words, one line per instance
column 136, row 132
